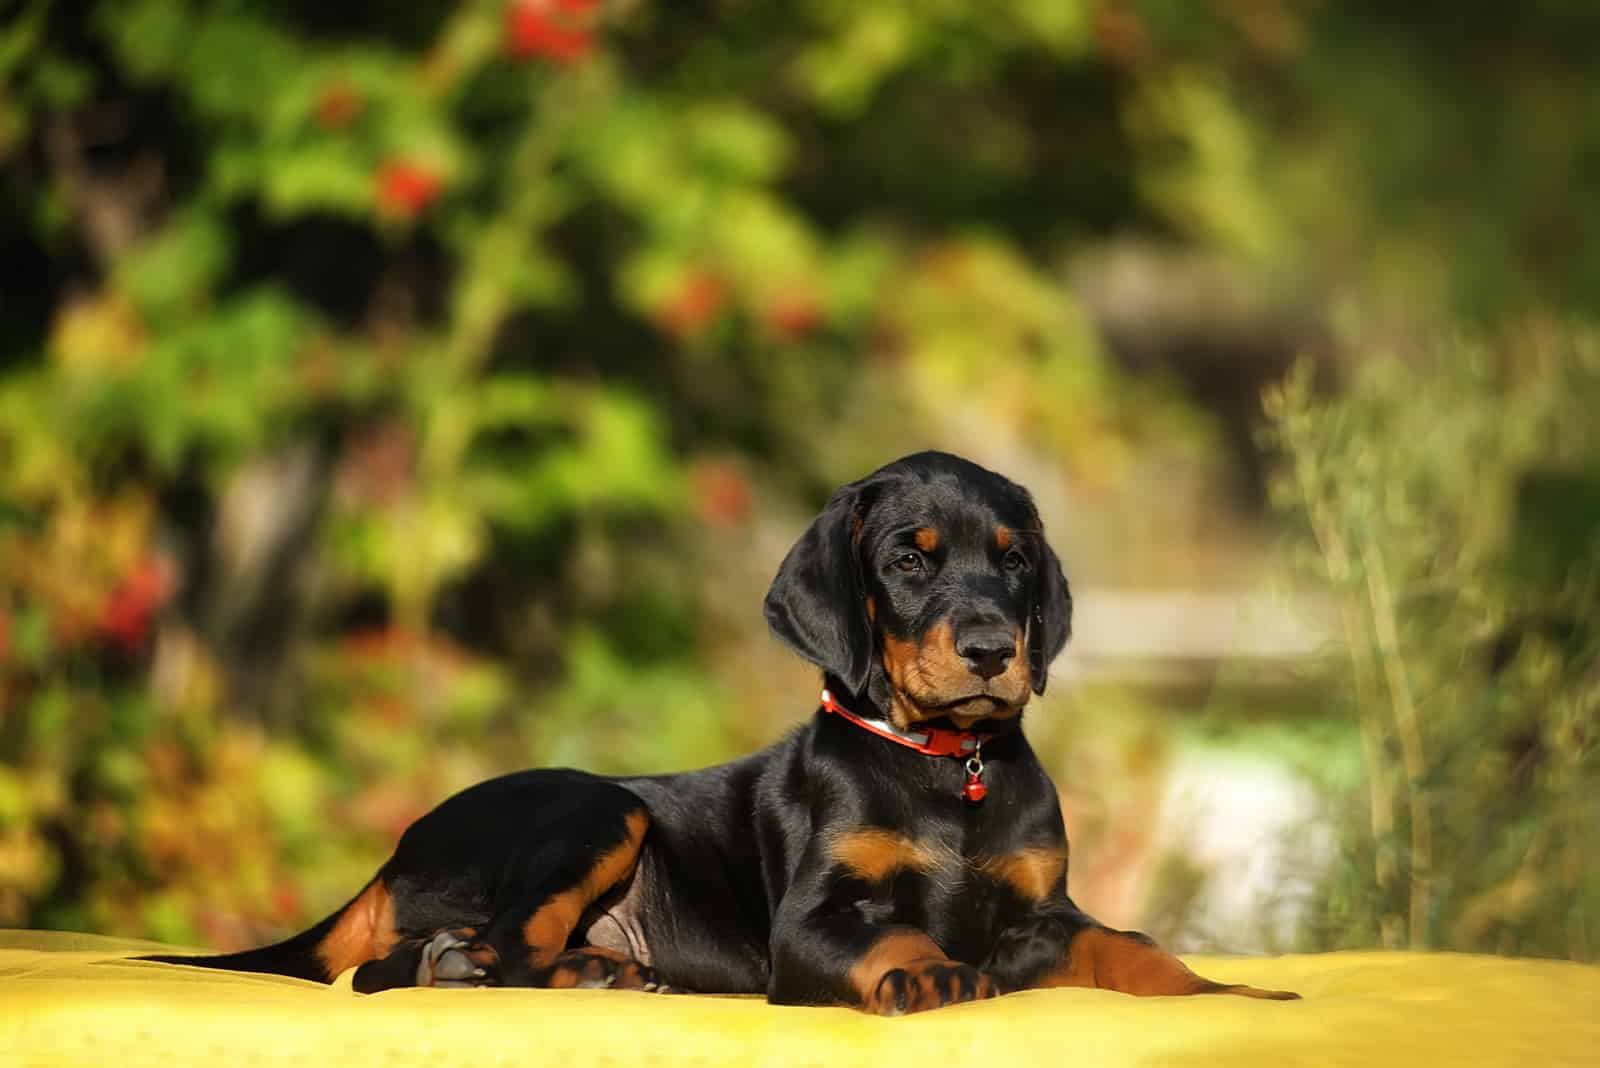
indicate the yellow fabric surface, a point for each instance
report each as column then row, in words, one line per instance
column 69, row 999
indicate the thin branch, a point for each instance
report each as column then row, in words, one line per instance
column 1410, row 734
column 1380, row 798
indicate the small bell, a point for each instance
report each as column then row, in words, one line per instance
column 974, row 790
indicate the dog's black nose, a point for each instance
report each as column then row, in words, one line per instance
column 987, row 650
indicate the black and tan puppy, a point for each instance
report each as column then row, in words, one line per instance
column 901, row 851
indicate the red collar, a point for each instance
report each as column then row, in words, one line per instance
column 934, row 741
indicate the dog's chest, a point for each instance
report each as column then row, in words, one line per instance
column 898, row 869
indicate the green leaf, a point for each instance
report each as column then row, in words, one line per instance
column 152, row 38
column 176, row 268
column 332, row 176
column 733, row 142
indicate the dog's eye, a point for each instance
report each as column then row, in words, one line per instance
column 910, row 563
column 1015, row 561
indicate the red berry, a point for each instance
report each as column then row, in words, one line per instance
column 721, row 495
column 793, row 317
column 286, row 901
column 338, row 106
column 532, row 30
column 696, row 305
column 127, row 613
column 405, row 188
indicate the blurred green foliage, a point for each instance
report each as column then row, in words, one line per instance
column 1464, row 554
column 391, row 394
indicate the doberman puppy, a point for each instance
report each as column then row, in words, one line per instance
column 901, row 851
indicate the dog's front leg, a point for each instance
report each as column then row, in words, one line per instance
column 832, row 943
column 893, row 970
column 1062, row 946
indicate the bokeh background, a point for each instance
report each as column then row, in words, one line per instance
column 392, row 395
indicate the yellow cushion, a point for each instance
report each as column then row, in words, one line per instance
column 69, row 999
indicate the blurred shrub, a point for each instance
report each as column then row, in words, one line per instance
column 369, row 376
column 1452, row 504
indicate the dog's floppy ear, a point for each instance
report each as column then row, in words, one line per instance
column 817, row 604
column 1050, row 624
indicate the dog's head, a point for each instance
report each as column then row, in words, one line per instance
column 928, row 587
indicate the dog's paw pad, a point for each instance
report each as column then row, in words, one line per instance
column 451, row 960
column 929, row 984
column 590, row 969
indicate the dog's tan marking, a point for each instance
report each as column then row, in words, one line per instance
column 875, row 853
column 364, row 931
column 1117, row 960
column 1034, row 873
column 547, row 930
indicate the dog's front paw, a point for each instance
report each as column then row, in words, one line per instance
column 451, row 958
column 928, row 984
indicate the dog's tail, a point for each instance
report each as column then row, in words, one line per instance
column 348, row 937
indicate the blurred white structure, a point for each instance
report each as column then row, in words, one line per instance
column 1117, row 632
column 1247, row 833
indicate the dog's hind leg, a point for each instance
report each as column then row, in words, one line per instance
column 554, row 880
